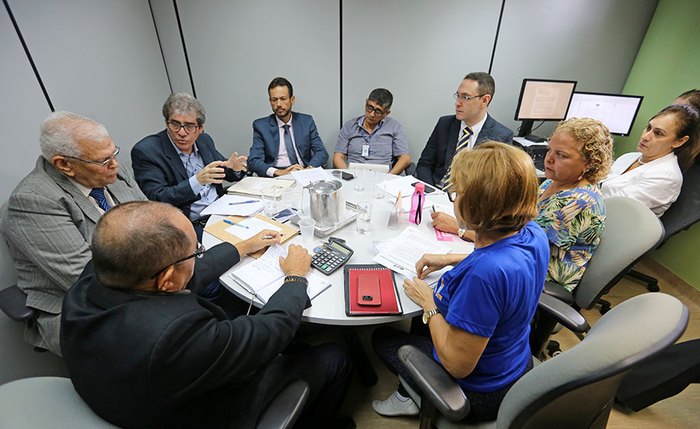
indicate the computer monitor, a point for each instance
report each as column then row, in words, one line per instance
column 617, row 112
column 543, row 100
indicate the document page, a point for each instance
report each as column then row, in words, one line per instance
column 254, row 185
column 402, row 253
column 310, row 175
column 234, row 205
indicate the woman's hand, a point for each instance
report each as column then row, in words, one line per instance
column 444, row 222
column 259, row 241
column 419, row 292
column 429, row 263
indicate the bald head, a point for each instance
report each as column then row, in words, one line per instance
column 133, row 241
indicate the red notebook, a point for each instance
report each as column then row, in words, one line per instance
column 370, row 290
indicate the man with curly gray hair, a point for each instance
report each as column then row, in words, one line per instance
column 50, row 216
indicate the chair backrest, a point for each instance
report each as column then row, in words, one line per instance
column 631, row 229
column 685, row 211
column 576, row 389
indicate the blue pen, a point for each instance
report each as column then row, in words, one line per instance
column 243, row 202
column 235, row 224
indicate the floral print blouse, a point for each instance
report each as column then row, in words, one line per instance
column 573, row 220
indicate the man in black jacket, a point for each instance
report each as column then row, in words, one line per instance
column 143, row 352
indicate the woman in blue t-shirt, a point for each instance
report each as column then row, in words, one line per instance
column 479, row 313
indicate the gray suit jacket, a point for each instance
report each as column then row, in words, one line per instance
column 48, row 225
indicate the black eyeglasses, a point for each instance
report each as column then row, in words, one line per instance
column 451, row 194
column 175, row 126
column 102, row 163
column 375, row 110
column 465, row 97
column 197, row 254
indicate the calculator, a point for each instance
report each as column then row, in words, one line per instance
column 331, row 255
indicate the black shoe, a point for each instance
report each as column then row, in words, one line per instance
column 344, row 422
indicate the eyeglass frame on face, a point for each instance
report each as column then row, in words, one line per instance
column 198, row 253
column 465, row 97
column 102, row 164
column 451, row 194
column 283, row 99
column 375, row 110
column 189, row 127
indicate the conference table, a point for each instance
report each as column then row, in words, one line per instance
column 328, row 308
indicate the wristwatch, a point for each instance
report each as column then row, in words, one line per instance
column 460, row 232
column 304, row 280
column 428, row 314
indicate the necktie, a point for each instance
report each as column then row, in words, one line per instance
column 291, row 153
column 99, row 195
column 461, row 144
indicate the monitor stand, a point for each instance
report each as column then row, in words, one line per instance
column 526, row 129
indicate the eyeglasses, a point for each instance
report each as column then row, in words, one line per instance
column 451, row 194
column 375, row 110
column 175, row 126
column 102, row 163
column 197, row 254
column 276, row 99
column 465, row 97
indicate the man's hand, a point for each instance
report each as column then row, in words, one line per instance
column 237, row 163
column 297, row 262
column 444, row 222
column 212, row 173
column 259, row 241
column 285, row 171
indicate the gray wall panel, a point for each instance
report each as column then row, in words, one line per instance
column 171, row 44
column 100, row 59
column 418, row 50
column 236, row 48
column 592, row 41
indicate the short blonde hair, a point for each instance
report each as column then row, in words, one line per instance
column 497, row 185
column 596, row 145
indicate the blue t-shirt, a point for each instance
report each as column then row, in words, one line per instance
column 494, row 293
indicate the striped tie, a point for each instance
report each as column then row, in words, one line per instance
column 461, row 144
column 99, row 195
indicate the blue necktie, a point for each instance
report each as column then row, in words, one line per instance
column 291, row 153
column 99, row 195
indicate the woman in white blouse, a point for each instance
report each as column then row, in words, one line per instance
column 653, row 175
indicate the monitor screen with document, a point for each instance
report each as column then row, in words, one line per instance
column 617, row 112
column 543, row 100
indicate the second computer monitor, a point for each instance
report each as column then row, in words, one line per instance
column 543, row 100
column 617, row 112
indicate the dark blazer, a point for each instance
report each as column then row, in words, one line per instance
column 266, row 143
column 440, row 149
column 175, row 360
column 162, row 177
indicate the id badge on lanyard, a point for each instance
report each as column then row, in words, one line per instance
column 365, row 150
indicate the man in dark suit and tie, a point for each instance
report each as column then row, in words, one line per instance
column 470, row 126
column 285, row 141
column 180, row 165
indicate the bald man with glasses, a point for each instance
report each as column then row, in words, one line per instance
column 49, row 219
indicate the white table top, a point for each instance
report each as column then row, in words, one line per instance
column 329, row 307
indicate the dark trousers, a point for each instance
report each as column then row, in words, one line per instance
column 386, row 342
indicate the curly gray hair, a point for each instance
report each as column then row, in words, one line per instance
column 61, row 131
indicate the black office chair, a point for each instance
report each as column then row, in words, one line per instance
column 682, row 214
column 573, row 390
column 13, row 302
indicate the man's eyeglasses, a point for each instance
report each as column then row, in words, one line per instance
column 197, row 254
column 102, row 163
column 274, row 100
column 465, row 97
column 375, row 110
column 175, row 126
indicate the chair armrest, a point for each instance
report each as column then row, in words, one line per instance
column 436, row 385
column 13, row 302
column 283, row 411
column 410, row 169
column 563, row 313
column 556, row 290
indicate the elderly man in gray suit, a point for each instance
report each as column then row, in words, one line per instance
column 50, row 216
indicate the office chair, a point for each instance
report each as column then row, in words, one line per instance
column 682, row 214
column 575, row 389
column 53, row 402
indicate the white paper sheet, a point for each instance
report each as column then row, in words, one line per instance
column 249, row 227
column 310, row 175
column 253, row 185
column 234, row 205
column 406, row 249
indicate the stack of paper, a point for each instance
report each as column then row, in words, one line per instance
column 254, row 185
column 263, row 277
column 402, row 253
column 233, row 205
column 310, row 175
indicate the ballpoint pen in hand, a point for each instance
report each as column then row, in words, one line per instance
column 243, row 202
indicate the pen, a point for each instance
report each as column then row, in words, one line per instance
column 269, row 237
column 433, row 208
column 243, row 202
column 235, row 224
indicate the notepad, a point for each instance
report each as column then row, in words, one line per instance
column 361, row 295
column 263, row 277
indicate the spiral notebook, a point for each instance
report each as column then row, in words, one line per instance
column 370, row 290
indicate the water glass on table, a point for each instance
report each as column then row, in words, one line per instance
column 307, row 225
column 271, row 196
column 364, row 217
column 379, row 188
column 359, row 182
